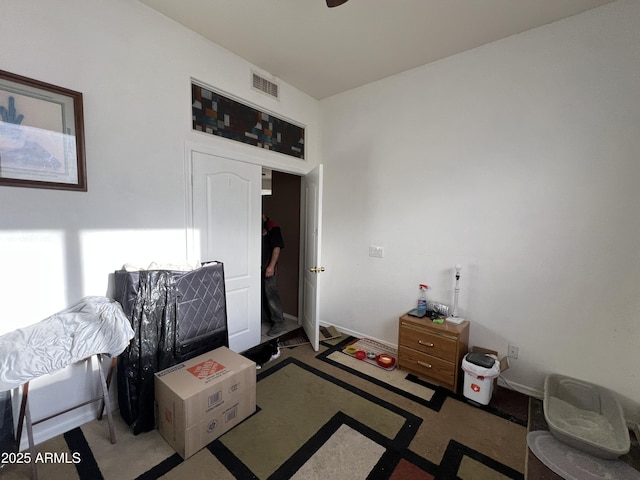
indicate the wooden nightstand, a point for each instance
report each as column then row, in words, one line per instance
column 433, row 351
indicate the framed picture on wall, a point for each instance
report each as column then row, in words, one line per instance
column 41, row 135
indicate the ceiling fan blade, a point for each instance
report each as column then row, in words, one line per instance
column 335, row 3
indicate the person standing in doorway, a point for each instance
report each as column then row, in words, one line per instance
column 272, row 244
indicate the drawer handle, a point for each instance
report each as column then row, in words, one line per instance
column 426, row 344
column 422, row 364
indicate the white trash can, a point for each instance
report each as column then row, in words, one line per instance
column 479, row 372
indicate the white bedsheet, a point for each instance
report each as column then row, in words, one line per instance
column 93, row 325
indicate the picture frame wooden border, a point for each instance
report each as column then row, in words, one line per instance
column 41, row 135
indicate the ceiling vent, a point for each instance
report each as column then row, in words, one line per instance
column 265, row 86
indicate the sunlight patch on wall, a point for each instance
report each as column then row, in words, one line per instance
column 35, row 277
column 105, row 251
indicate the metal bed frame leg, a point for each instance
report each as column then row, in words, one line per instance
column 24, row 417
column 105, row 402
column 21, row 415
column 32, row 446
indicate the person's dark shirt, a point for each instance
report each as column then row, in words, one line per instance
column 271, row 238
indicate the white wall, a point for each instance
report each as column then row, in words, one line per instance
column 518, row 160
column 133, row 67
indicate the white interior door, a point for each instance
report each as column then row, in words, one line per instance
column 226, row 216
column 312, row 187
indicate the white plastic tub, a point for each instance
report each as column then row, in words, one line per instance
column 585, row 416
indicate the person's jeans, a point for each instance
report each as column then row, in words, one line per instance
column 271, row 304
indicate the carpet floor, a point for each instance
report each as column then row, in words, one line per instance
column 320, row 415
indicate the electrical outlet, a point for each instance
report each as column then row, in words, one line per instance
column 513, row 352
column 376, row 251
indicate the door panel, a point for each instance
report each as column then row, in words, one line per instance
column 226, row 222
column 312, row 258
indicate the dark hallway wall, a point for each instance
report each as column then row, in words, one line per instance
column 283, row 207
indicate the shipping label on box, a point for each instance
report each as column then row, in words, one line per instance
column 205, row 369
column 202, row 398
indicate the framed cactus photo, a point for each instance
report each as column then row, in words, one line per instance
column 41, row 135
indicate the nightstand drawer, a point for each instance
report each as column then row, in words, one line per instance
column 433, row 351
column 435, row 344
column 427, row 365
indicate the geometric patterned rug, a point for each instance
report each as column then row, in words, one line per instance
column 316, row 418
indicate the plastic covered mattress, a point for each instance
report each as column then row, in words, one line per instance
column 176, row 316
column 91, row 326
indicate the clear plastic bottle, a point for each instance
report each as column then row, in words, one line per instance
column 422, row 299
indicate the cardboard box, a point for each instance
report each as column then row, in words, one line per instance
column 202, row 398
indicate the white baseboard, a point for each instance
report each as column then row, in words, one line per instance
column 503, row 382
column 353, row 333
column 532, row 392
column 64, row 423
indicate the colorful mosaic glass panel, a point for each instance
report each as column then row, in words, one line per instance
column 216, row 114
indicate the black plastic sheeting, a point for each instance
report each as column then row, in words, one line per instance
column 175, row 316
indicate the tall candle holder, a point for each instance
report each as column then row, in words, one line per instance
column 455, row 318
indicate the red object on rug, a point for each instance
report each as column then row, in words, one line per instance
column 408, row 471
column 367, row 345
